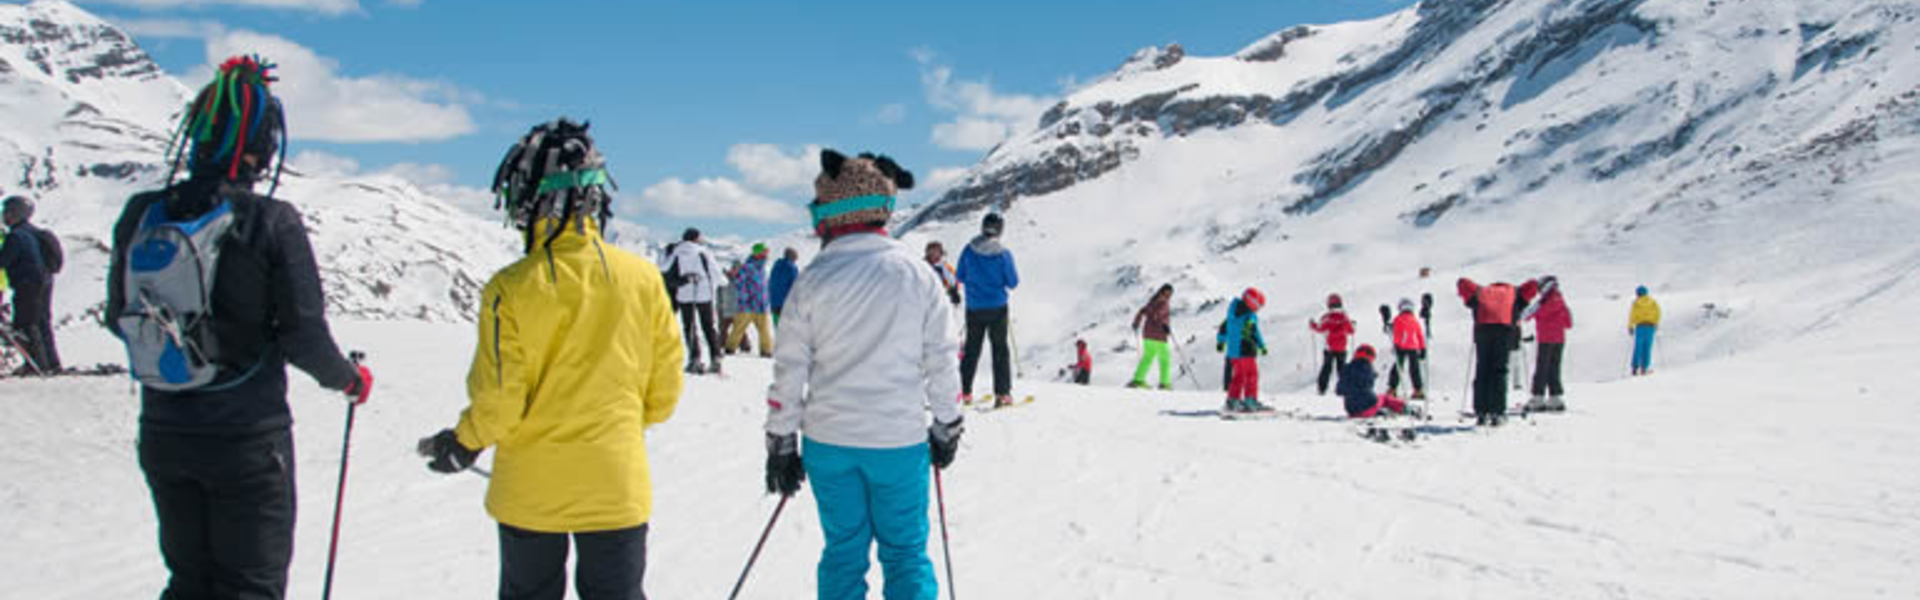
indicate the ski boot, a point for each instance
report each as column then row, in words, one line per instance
column 714, row 369
column 1136, row 385
column 1233, row 406
column 1166, row 387
column 1536, row 404
column 1419, row 394
column 1556, row 404
column 695, row 368
column 1255, row 405
column 1002, row 401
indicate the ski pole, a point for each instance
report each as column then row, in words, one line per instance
column 1466, row 388
column 940, row 497
column 340, row 493
column 742, row 582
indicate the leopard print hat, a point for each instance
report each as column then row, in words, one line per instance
column 856, row 191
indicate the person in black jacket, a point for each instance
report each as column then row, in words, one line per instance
column 219, row 459
column 32, row 281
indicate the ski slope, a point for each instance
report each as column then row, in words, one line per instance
column 1784, row 473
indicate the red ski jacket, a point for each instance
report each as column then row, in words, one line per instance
column 1337, row 327
column 1552, row 319
column 1407, row 335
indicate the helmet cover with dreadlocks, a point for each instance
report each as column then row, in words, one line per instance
column 554, row 172
column 234, row 116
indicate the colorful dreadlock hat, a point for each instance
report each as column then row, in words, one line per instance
column 234, row 116
column 855, row 192
column 553, row 172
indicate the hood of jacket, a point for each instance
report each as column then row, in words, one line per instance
column 987, row 246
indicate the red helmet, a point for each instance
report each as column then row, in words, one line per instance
column 1253, row 299
column 1364, row 353
column 1333, row 301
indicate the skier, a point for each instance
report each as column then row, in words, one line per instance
column 216, row 437
column 1338, row 328
column 1551, row 320
column 1240, row 338
column 1642, row 323
column 1356, row 388
column 30, row 271
column 1496, row 308
column 1409, row 349
column 577, row 356
column 785, row 271
column 698, row 281
column 1154, row 324
column 868, row 350
column 1082, row 369
column 987, row 271
column 750, row 291
column 937, row 258
column 727, row 304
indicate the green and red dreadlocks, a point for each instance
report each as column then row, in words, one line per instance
column 233, row 116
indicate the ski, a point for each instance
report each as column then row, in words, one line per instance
column 985, row 404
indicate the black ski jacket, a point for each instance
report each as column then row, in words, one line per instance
column 268, row 310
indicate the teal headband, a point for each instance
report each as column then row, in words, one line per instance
column 823, row 212
column 572, row 179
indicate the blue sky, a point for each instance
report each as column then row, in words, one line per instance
column 705, row 109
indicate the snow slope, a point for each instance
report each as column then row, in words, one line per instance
column 1786, row 474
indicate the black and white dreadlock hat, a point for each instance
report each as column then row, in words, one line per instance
column 554, row 172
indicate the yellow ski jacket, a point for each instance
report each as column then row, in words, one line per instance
column 578, row 354
column 1645, row 312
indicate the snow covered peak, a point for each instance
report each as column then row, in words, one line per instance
column 93, row 63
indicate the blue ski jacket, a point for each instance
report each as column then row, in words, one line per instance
column 987, row 272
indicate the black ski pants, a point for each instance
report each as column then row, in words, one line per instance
column 1491, row 345
column 981, row 325
column 700, row 315
column 612, row 564
column 1546, row 369
column 1330, row 363
column 226, row 512
column 33, row 319
column 1409, row 361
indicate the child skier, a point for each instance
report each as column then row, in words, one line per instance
column 867, row 350
column 1409, row 347
column 1337, row 327
column 1240, row 338
column 1082, row 369
column 1154, row 324
column 1642, row 323
column 1551, row 320
column 1356, row 388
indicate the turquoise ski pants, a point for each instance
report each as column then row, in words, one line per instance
column 867, row 495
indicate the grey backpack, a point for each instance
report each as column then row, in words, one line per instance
column 170, row 267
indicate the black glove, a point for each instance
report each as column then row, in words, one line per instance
column 944, row 441
column 448, row 455
column 784, row 471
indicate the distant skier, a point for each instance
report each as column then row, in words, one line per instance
column 1356, row 388
column 29, row 263
column 1338, row 328
column 1409, row 348
column 1642, row 323
column 1551, row 320
column 785, row 271
column 937, row 258
column 216, row 434
column 987, row 271
column 1082, row 369
column 1240, row 339
column 695, row 276
column 750, row 294
column 867, row 352
column 1154, row 324
column 1496, row 309
column 578, row 355
column 726, row 306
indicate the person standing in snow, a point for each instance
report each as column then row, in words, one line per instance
column 1551, row 320
column 867, row 351
column 1356, row 388
column 1338, row 329
column 1496, row 312
column 30, row 271
column 1082, row 369
column 1154, row 324
column 1642, row 322
column 987, row 271
column 699, row 276
column 750, row 291
column 1240, row 338
column 577, row 356
column 727, row 304
column 937, row 258
column 1409, row 346
column 785, row 271
column 218, row 457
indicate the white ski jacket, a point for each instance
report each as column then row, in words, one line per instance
column 867, row 348
column 702, row 272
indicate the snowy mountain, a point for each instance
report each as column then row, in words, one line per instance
column 1750, row 161
column 84, row 120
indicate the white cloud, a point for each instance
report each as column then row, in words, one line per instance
column 326, row 105
column 325, row 7
column 716, row 198
column 435, row 180
column 982, row 117
column 891, row 114
column 766, row 167
column 160, row 29
column 324, row 164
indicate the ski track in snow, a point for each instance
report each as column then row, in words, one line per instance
column 1728, row 479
